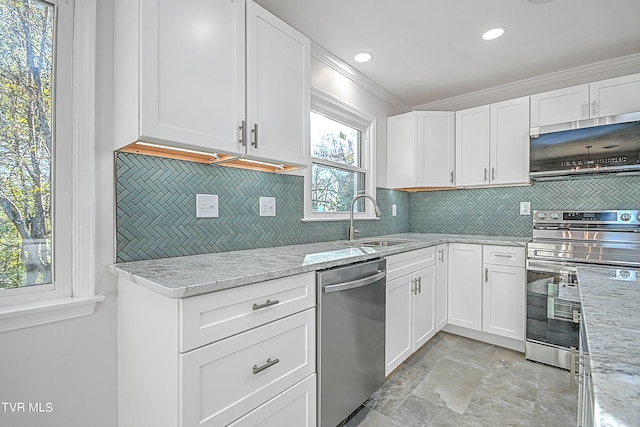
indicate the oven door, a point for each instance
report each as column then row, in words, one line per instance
column 553, row 312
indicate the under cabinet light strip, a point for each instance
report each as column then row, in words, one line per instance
column 184, row 150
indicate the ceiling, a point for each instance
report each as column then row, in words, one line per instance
column 430, row 50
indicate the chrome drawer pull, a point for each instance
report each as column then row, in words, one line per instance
column 503, row 256
column 269, row 303
column 269, row 364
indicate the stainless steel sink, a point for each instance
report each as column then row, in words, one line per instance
column 379, row 242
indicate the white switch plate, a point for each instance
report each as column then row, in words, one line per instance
column 525, row 208
column 394, row 211
column 206, row 206
column 267, row 206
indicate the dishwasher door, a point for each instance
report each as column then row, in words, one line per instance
column 351, row 338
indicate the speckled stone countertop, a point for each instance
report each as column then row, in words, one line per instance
column 611, row 313
column 182, row 277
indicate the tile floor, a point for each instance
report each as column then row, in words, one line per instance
column 455, row 381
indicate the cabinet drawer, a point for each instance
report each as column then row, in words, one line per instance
column 212, row 317
column 408, row 262
column 295, row 407
column 223, row 381
column 503, row 255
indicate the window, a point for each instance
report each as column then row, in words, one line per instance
column 26, row 142
column 47, row 183
column 341, row 159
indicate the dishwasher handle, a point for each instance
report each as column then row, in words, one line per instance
column 355, row 283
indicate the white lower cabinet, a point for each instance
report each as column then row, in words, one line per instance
column 176, row 368
column 410, row 305
column 487, row 289
column 442, row 260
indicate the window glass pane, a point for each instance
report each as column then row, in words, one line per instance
column 332, row 189
column 331, row 140
column 26, row 75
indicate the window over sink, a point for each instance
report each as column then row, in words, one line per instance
column 341, row 147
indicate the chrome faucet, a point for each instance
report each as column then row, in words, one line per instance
column 352, row 230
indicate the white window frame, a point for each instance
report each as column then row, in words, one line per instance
column 332, row 107
column 73, row 292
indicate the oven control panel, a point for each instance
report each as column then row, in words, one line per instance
column 605, row 217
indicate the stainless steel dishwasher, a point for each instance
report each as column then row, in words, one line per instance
column 351, row 334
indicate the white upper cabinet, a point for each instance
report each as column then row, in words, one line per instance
column 278, row 92
column 421, row 147
column 492, row 144
column 604, row 98
column 189, row 73
column 472, row 146
column 509, row 147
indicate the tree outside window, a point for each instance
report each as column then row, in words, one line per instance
column 26, row 100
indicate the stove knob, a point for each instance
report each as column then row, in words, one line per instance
column 625, row 216
column 555, row 215
column 542, row 215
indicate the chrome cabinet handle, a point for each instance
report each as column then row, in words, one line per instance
column 255, row 135
column 269, row 303
column 502, row 256
column 451, row 177
column 486, row 274
column 269, row 364
column 594, row 109
column 485, row 174
column 419, row 285
column 441, row 255
column 243, row 133
column 414, row 286
column 493, row 174
column 585, row 109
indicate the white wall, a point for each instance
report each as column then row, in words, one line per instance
column 72, row 363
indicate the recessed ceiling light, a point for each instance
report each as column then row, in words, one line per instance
column 362, row 57
column 493, row 33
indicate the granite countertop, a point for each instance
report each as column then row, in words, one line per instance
column 186, row 276
column 610, row 309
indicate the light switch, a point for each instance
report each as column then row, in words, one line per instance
column 267, row 206
column 206, row 206
column 394, row 212
column 525, row 208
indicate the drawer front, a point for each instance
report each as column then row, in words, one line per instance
column 295, row 407
column 225, row 380
column 408, row 262
column 503, row 255
column 212, row 317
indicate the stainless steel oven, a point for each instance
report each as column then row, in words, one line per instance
column 562, row 241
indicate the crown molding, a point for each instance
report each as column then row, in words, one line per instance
column 573, row 76
column 337, row 64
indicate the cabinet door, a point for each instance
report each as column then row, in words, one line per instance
column 615, row 96
column 424, row 300
column 472, row 146
column 278, row 93
column 560, row 106
column 465, row 285
column 435, row 149
column 398, row 324
column 192, row 72
column 510, row 142
column 441, row 285
column 401, row 150
column 503, row 311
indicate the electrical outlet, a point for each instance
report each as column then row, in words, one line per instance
column 525, row 208
column 206, row 206
column 394, row 211
column 267, row 206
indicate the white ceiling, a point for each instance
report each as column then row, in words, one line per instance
column 430, row 50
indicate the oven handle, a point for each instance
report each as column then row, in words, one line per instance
column 551, row 266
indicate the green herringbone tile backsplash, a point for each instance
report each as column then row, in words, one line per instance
column 155, row 202
column 155, row 210
column 495, row 211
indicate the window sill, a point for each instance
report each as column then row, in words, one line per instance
column 48, row 311
column 363, row 218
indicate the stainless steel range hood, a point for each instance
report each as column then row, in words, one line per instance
column 607, row 148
